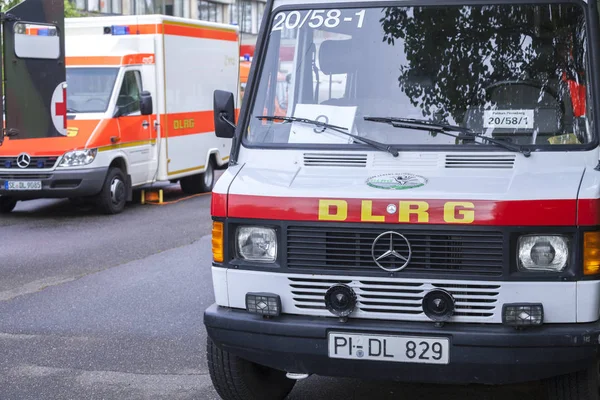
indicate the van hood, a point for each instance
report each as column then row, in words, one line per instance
column 472, row 196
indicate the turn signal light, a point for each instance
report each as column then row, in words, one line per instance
column 591, row 253
column 217, row 241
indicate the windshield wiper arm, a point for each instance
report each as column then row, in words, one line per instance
column 424, row 125
column 375, row 144
column 72, row 110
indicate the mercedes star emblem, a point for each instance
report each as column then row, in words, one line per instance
column 23, row 160
column 397, row 247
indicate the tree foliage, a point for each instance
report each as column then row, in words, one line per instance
column 465, row 49
column 70, row 10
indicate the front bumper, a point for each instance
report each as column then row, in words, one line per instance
column 485, row 354
column 56, row 184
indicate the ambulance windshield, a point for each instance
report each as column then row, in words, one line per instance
column 517, row 73
column 89, row 89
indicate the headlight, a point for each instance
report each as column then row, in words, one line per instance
column 256, row 243
column 78, row 158
column 543, row 253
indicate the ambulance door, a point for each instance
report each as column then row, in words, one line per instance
column 135, row 129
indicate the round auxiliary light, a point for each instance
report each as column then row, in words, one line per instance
column 438, row 305
column 340, row 300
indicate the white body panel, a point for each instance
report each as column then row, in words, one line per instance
column 284, row 173
column 194, row 69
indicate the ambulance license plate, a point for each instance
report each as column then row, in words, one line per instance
column 23, row 185
column 404, row 349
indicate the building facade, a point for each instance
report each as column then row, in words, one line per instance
column 247, row 14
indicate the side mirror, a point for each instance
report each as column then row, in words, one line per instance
column 146, row 103
column 224, row 114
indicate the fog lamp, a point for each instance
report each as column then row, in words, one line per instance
column 340, row 300
column 438, row 305
column 266, row 304
column 525, row 314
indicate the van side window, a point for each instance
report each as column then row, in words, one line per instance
column 129, row 96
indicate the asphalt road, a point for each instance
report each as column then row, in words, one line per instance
column 97, row 307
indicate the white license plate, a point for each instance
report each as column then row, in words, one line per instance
column 404, row 349
column 23, row 185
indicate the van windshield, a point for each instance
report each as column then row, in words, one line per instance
column 517, row 73
column 89, row 89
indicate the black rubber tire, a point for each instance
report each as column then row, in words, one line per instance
column 582, row 385
column 237, row 379
column 7, row 204
column 199, row 183
column 104, row 199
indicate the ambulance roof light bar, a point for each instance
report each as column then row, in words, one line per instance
column 117, row 30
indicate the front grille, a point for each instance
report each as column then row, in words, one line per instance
column 450, row 253
column 35, row 163
column 397, row 300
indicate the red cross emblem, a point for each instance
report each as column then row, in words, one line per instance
column 61, row 108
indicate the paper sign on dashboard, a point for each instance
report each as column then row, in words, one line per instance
column 508, row 119
column 339, row 116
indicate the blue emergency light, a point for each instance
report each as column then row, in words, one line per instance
column 120, row 30
column 43, row 32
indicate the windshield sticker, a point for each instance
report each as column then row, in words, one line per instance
column 508, row 119
column 316, row 19
column 396, row 181
column 301, row 132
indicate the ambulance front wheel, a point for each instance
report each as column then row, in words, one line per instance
column 199, row 183
column 113, row 196
column 237, row 379
column 581, row 385
column 7, row 204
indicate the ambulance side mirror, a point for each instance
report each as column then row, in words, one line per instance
column 224, row 111
column 146, row 103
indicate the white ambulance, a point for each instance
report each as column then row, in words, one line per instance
column 437, row 220
column 138, row 110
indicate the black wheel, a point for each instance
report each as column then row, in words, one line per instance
column 113, row 196
column 581, row 385
column 7, row 204
column 200, row 183
column 237, row 379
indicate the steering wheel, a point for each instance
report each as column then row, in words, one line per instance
column 97, row 99
column 529, row 83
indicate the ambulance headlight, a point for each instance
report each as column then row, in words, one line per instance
column 543, row 253
column 78, row 158
column 255, row 243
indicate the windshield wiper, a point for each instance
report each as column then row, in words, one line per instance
column 424, row 125
column 340, row 129
column 72, row 110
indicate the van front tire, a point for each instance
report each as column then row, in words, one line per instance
column 113, row 196
column 237, row 379
column 199, row 183
column 581, row 385
column 7, row 204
